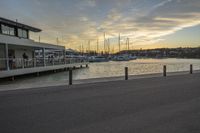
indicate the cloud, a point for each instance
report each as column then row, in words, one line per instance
column 84, row 19
column 86, row 3
column 161, row 4
column 144, row 21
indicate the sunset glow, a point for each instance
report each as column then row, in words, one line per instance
column 148, row 23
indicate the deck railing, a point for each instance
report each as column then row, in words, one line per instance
column 19, row 63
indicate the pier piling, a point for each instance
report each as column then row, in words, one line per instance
column 70, row 76
column 12, row 78
column 164, row 71
column 191, row 69
column 126, row 73
column 38, row 74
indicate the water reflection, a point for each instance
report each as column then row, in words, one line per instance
column 136, row 67
column 110, row 69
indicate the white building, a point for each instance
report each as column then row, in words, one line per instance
column 21, row 55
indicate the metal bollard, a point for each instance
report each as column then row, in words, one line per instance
column 164, row 71
column 70, row 76
column 191, row 69
column 126, row 73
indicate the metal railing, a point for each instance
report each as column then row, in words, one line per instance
column 20, row 63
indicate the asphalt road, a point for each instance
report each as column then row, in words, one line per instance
column 151, row 105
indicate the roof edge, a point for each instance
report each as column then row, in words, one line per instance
column 20, row 25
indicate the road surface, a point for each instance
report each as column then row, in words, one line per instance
column 150, row 105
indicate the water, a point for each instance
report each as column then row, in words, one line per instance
column 111, row 69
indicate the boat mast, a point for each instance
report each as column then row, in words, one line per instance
column 128, row 44
column 82, row 49
column 108, row 46
column 57, row 40
column 104, row 42
column 89, row 46
column 119, row 42
column 97, row 46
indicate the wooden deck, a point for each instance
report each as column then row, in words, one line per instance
column 23, row 71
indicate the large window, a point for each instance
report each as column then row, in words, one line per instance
column 7, row 30
column 12, row 31
column 22, row 33
column 25, row 34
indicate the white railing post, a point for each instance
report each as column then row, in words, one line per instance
column 44, row 59
column 34, row 61
column 23, row 63
column 7, row 57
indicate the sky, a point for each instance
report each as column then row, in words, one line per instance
column 76, row 23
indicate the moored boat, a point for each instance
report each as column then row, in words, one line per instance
column 98, row 59
column 124, row 57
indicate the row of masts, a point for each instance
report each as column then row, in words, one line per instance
column 107, row 49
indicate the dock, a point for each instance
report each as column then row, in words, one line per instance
column 148, row 105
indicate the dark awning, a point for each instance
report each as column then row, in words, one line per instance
column 20, row 25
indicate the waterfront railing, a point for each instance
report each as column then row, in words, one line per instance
column 20, row 63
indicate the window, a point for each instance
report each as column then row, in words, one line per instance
column 25, row 34
column 22, row 33
column 7, row 30
column 12, row 31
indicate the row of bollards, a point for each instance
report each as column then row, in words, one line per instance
column 164, row 71
column 126, row 73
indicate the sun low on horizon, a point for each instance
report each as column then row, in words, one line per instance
column 78, row 23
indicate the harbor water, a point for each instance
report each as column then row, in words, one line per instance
column 114, row 68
